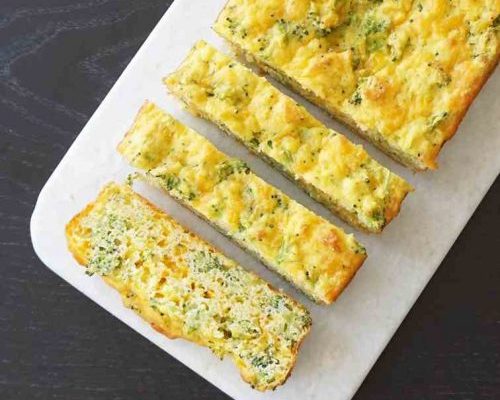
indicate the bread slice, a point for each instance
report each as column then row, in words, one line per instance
column 310, row 252
column 325, row 163
column 185, row 288
column 401, row 74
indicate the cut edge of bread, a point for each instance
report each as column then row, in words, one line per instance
column 146, row 312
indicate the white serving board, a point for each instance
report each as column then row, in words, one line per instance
column 348, row 336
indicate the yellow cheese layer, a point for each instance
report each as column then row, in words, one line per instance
column 185, row 288
column 403, row 72
column 307, row 250
column 331, row 168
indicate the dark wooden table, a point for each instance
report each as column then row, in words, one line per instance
column 58, row 58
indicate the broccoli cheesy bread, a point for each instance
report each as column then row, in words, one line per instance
column 325, row 163
column 401, row 73
column 314, row 255
column 185, row 288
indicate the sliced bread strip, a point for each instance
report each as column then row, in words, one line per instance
column 333, row 170
column 310, row 252
column 185, row 288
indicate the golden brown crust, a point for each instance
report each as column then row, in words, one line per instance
column 336, row 292
column 394, row 207
column 72, row 227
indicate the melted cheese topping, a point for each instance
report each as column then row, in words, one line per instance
column 185, row 288
column 402, row 71
column 331, row 168
column 310, row 252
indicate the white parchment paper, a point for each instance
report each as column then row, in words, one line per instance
column 348, row 336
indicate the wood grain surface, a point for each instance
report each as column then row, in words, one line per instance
column 58, row 58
